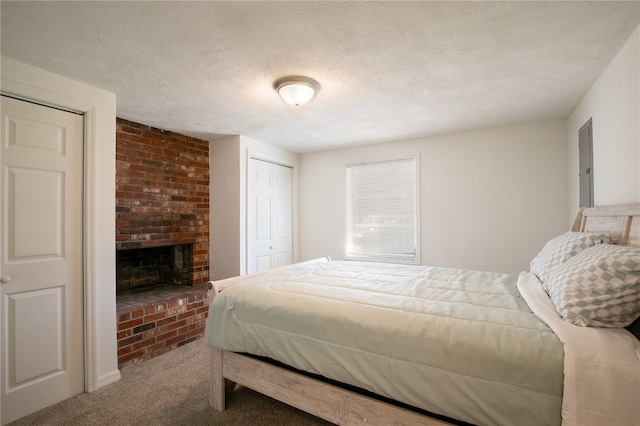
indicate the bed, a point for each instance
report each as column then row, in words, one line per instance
column 365, row 343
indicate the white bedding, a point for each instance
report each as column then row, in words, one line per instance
column 601, row 365
column 463, row 344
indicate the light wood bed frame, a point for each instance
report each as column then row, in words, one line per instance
column 345, row 407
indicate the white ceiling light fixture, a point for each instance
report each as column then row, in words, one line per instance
column 296, row 90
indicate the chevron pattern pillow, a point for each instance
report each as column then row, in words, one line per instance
column 599, row 287
column 562, row 248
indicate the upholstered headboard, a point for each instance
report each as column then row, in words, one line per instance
column 621, row 222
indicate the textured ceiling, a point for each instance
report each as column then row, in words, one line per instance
column 389, row 70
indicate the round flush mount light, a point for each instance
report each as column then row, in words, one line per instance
column 296, row 90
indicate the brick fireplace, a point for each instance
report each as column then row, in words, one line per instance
column 162, row 239
column 162, row 192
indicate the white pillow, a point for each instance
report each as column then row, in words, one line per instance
column 562, row 248
column 599, row 287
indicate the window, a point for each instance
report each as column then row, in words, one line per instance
column 382, row 219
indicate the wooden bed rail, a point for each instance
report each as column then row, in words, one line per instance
column 327, row 401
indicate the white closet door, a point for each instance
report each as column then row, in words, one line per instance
column 40, row 257
column 269, row 224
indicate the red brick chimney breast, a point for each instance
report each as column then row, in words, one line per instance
column 162, row 192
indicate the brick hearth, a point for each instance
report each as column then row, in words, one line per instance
column 152, row 323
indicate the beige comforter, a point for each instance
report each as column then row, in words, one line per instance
column 463, row 344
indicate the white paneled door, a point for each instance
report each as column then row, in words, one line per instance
column 269, row 216
column 41, row 257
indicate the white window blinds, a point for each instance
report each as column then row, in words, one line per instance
column 381, row 211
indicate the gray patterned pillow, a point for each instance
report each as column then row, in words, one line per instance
column 562, row 248
column 599, row 287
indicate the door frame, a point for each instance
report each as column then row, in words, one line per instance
column 23, row 81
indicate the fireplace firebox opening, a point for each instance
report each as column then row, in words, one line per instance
column 146, row 268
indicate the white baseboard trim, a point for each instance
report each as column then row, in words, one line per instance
column 108, row 378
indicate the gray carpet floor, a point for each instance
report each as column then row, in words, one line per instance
column 171, row 389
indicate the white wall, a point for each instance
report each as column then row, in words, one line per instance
column 224, row 208
column 228, row 188
column 490, row 198
column 614, row 104
column 99, row 107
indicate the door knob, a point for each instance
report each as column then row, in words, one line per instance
column 5, row 279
